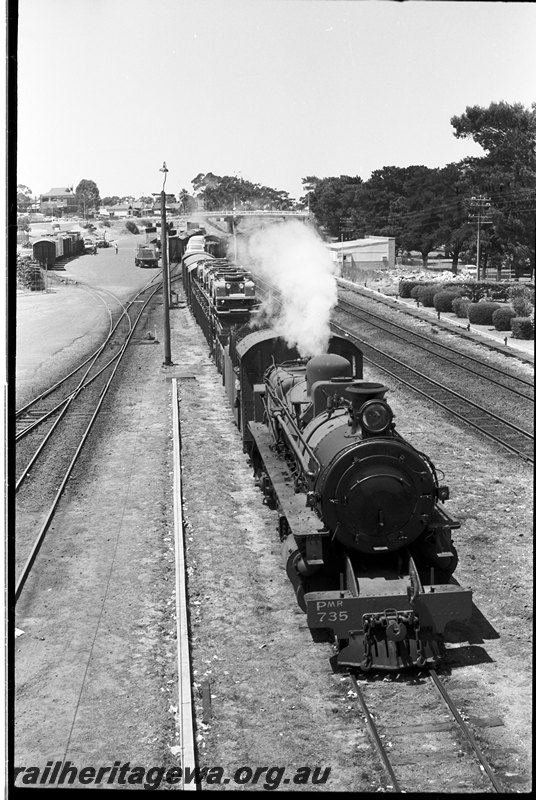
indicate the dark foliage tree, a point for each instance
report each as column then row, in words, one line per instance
column 187, row 202
column 231, row 192
column 24, row 198
column 506, row 176
column 332, row 201
column 87, row 195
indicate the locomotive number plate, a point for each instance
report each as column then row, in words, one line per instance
column 326, row 612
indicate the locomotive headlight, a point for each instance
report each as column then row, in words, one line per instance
column 375, row 416
column 240, row 285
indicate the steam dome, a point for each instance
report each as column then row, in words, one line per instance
column 326, row 367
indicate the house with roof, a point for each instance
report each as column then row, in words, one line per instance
column 120, row 210
column 58, row 199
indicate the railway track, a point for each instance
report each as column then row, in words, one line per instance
column 54, row 427
column 511, row 437
column 496, row 423
column 431, row 748
column 475, row 367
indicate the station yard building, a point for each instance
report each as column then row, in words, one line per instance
column 363, row 255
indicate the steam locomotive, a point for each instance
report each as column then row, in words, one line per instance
column 366, row 542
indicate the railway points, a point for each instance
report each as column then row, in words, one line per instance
column 264, row 629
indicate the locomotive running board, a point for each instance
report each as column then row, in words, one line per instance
column 302, row 521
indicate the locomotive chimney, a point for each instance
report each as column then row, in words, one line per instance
column 362, row 391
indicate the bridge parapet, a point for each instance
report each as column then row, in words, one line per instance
column 252, row 213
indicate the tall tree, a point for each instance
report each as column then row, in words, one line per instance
column 506, row 175
column 332, row 201
column 230, row 191
column 24, row 197
column 87, row 195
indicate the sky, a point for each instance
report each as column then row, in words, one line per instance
column 272, row 91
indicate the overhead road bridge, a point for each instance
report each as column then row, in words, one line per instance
column 253, row 213
column 233, row 217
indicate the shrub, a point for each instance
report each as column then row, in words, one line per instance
column 443, row 300
column 426, row 294
column 460, row 306
column 131, row 226
column 405, row 287
column 522, row 327
column 29, row 275
column 482, row 313
column 522, row 299
column 501, row 318
column 415, row 292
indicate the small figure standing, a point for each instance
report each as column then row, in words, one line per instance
column 116, row 247
column 94, row 249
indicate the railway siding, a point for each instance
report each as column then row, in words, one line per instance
column 263, row 689
column 522, row 350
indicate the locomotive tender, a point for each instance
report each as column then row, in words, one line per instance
column 366, row 542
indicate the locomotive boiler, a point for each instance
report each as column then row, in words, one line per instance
column 367, row 544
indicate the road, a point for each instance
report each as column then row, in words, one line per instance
column 58, row 326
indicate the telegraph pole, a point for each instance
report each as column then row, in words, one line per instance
column 165, row 272
column 234, row 234
column 480, row 207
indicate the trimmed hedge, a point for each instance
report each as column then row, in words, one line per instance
column 460, row 307
column 426, row 295
column 415, row 292
column 443, row 300
column 482, row 313
column 485, row 289
column 405, row 287
column 501, row 318
column 522, row 327
column 476, row 291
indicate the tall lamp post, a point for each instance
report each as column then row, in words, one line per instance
column 165, row 272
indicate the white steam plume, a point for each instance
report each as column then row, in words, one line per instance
column 293, row 258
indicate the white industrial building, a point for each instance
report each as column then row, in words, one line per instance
column 363, row 255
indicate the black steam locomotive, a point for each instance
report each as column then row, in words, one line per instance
column 366, row 542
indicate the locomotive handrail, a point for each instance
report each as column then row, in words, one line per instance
column 306, row 468
column 282, row 411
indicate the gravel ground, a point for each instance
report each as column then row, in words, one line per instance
column 265, row 693
column 260, row 658
column 94, row 664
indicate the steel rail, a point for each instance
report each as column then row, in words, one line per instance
column 443, row 388
column 96, row 353
column 373, row 730
column 462, row 726
column 92, row 359
column 357, row 312
column 465, row 729
column 81, row 386
column 19, row 412
column 50, row 515
column 64, row 404
column 448, row 391
column 185, row 703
